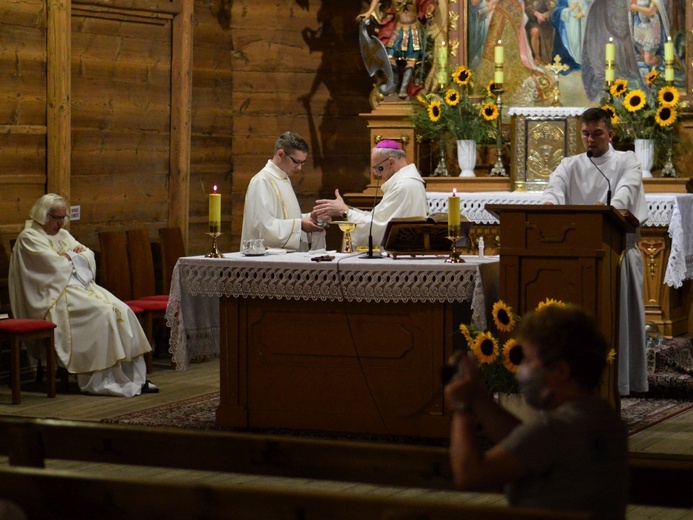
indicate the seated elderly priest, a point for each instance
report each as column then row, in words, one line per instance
column 404, row 195
column 97, row 337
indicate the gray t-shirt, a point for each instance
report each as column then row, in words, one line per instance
column 577, row 457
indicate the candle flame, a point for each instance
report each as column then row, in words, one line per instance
column 215, row 188
column 611, row 40
column 454, row 192
column 500, row 42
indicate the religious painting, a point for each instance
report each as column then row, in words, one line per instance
column 535, row 32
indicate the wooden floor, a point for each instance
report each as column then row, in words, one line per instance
column 672, row 436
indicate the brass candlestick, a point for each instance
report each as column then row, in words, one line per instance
column 454, row 236
column 557, row 67
column 214, row 233
column 498, row 170
column 668, row 169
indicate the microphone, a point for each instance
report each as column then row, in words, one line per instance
column 370, row 229
column 608, row 193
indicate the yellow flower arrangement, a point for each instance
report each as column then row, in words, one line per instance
column 452, row 111
column 499, row 364
column 640, row 113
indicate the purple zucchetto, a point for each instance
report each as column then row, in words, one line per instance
column 388, row 143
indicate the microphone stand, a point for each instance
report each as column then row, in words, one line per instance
column 608, row 193
column 369, row 255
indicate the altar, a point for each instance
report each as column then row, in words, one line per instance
column 343, row 345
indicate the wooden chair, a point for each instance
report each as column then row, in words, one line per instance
column 116, row 278
column 142, row 277
column 17, row 331
column 172, row 248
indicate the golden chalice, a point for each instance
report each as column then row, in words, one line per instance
column 347, row 228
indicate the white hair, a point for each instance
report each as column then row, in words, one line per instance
column 39, row 211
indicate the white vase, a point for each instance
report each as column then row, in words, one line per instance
column 644, row 151
column 466, row 156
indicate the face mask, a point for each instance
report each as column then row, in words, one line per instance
column 531, row 386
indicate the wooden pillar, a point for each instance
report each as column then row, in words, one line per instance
column 58, row 111
column 181, row 94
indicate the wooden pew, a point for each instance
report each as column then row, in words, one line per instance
column 656, row 479
column 53, row 494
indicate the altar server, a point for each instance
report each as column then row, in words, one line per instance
column 573, row 456
column 404, row 195
column 271, row 209
column 578, row 180
column 97, row 336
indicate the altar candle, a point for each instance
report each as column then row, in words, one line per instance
column 609, row 74
column 442, row 64
column 498, row 58
column 454, row 214
column 669, row 60
column 215, row 210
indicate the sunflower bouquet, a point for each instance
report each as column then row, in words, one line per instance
column 639, row 114
column 453, row 111
column 499, row 354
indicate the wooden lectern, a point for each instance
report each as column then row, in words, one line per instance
column 568, row 253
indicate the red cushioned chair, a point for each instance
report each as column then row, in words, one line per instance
column 17, row 331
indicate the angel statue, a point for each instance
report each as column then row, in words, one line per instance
column 399, row 50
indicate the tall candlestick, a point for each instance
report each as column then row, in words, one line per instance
column 454, row 215
column 215, row 211
column 610, row 56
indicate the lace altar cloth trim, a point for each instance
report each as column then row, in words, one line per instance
column 664, row 210
column 546, row 111
column 297, row 278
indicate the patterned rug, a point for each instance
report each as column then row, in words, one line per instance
column 198, row 414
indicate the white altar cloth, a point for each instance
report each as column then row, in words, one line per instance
column 199, row 282
column 674, row 211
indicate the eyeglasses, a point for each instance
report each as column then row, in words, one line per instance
column 56, row 217
column 379, row 169
column 297, row 163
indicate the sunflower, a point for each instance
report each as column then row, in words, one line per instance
column 421, row 99
column 434, row 111
column 452, row 97
column 665, row 116
column 668, row 96
column 611, row 356
column 490, row 88
column 503, row 316
column 462, row 75
column 467, row 335
column 612, row 113
column 619, row 87
column 485, row 347
column 651, row 77
column 490, row 111
column 512, row 355
column 548, row 302
column 635, row 100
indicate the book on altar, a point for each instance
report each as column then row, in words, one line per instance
column 417, row 236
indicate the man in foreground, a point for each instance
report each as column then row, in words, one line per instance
column 573, row 455
column 578, row 180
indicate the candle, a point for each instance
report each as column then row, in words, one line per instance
column 442, row 64
column 454, row 215
column 498, row 53
column 610, row 55
column 215, row 211
column 669, row 50
column 610, row 50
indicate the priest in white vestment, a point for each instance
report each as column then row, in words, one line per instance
column 97, row 337
column 404, row 195
column 271, row 209
column 577, row 181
